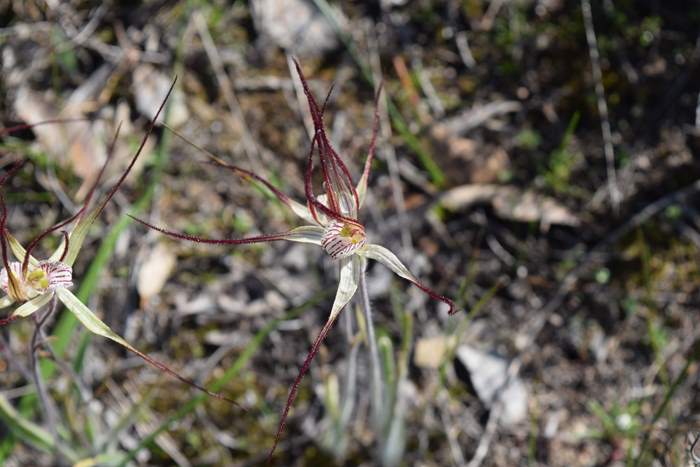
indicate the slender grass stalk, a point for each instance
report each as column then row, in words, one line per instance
column 31, row 433
column 347, row 406
column 375, row 364
column 340, row 407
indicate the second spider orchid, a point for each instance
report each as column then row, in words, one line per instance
column 31, row 284
column 333, row 224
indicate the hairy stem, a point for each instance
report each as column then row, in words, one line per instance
column 49, row 409
column 376, row 369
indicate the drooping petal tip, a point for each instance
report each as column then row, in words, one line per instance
column 390, row 260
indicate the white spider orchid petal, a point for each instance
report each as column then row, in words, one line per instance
column 306, row 234
column 76, row 238
column 388, row 259
column 88, row 318
column 301, row 211
column 97, row 326
column 350, row 269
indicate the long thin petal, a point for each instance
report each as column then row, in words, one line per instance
column 97, row 326
column 19, row 251
column 306, row 234
column 5, row 302
column 78, row 234
column 350, row 269
column 250, row 177
column 362, row 184
column 297, row 208
column 390, row 260
column 303, row 234
column 32, row 305
column 349, row 278
column 338, row 184
column 63, row 248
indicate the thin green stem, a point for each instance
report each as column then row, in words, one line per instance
column 47, row 405
column 348, row 404
column 375, row 365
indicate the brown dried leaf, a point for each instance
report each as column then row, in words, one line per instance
column 430, row 352
column 155, row 270
column 511, row 203
column 67, row 143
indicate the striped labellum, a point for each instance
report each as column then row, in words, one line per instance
column 46, row 276
column 342, row 239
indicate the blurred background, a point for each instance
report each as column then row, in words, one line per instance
column 537, row 162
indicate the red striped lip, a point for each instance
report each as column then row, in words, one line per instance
column 48, row 275
column 59, row 274
column 342, row 239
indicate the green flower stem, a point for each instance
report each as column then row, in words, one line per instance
column 375, row 365
column 50, row 413
column 348, row 404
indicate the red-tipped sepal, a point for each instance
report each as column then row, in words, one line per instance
column 390, row 260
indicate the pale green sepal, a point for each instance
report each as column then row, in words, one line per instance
column 56, row 255
column 76, row 239
column 18, row 250
column 306, row 234
column 89, row 319
column 350, row 269
column 301, row 211
column 27, row 308
column 5, row 302
column 362, row 189
column 388, row 259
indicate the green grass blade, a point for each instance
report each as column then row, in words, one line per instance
column 30, row 432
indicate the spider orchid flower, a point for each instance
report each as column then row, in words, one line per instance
column 333, row 225
column 31, row 283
